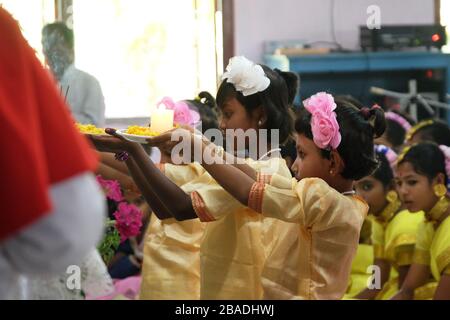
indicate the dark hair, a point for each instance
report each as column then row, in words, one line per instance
column 426, row 158
column 62, row 30
column 384, row 172
column 395, row 133
column 432, row 130
column 358, row 129
column 351, row 99
column 277, row 100
column 206, row 106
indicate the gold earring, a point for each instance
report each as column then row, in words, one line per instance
column 440, row 190
column 392, row 196
column 441, row 206
column 394, row 205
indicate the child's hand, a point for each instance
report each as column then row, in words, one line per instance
column 114, row 143
column 167, row 141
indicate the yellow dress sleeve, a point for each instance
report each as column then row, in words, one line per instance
column 440, row 250
column 182, row 174
column 401, row 236
column 425, row 235
column 377, row 238
column 303, row 202
column 211, row 202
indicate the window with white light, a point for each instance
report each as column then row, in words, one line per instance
column 141, row 51
column 32, row 16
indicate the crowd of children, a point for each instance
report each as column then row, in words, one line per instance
column 363, row 212
column 357, row 221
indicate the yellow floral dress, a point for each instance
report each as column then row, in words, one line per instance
column 312, row 260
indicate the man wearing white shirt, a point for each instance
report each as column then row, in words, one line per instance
column 82, row 90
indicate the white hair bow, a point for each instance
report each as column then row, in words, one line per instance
column 246, row 76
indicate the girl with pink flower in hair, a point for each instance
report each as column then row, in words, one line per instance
column 335, row 147
column 236, row 239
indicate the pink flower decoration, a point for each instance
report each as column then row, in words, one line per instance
column 324, row 124
column 399, row 119
column 128, row 220
column 112, row 189
column 183, row 114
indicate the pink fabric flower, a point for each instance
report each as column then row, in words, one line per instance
column 183, row 115
column 112, row 189
column 324, row 124
column 124, row 289
column 128, row 220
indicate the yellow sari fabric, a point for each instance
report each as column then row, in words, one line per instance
column 400, row 239
column 438, row 256
column 440, row 250
column 371, row 247
column 377, row 237
column 171, row 266
column 433, row 249
column 236, row 238
column 359, row 276
column 313, row 260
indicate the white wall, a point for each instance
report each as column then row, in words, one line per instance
column 257, row 21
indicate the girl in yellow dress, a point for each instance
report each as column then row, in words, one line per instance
column 171, row 249
column 401, row 233
column 378, row 190
column 171, row 264
column 422, row 180
column 400, row 239
column 335, row 147
column 391, row 235
column 236, row 238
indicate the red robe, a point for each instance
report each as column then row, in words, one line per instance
column 39, row 145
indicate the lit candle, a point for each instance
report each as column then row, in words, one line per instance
column 162, row 120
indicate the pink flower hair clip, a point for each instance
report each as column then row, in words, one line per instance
column 183, row 115
column 324, row 124
column 398, row 119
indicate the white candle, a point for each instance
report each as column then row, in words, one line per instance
column 162, row 120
